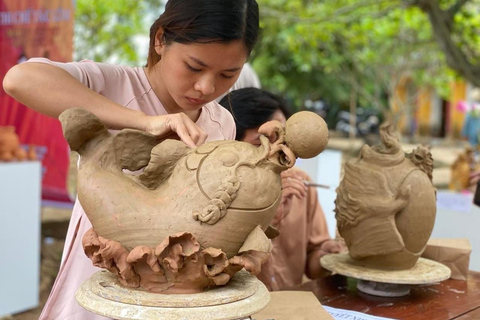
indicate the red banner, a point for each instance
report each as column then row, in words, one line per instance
column 37, row 28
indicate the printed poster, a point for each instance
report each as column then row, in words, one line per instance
column 37, row 28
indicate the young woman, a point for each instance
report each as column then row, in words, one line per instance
column 303, row 238
column 197, row 50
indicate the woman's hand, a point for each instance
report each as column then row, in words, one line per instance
column 314, row 269
column 187, row 130
column 292, row 186
column 331, row 246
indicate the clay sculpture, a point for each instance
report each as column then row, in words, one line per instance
column 463, row 170
column 386, row 204
column 10, row 149
column 172, row 219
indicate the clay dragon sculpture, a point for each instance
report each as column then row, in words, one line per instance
column 172, row 219
column 386, row 204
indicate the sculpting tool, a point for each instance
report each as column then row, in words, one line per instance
column 316, row 185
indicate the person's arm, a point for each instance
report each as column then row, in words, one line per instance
column 319, row 242
column 314, row 269
column 51, row 90
column 292, row 186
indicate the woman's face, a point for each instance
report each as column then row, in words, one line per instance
column 190, row 75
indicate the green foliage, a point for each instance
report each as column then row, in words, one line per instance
column 466, row 30
column 309, row 49
column 326, row 49
column 111, row 30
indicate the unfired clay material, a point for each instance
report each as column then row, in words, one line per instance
column 423, row 272
column 462, row 169
column 386, row 204
column 307, row 135
column 10, row 149
column 174, row 220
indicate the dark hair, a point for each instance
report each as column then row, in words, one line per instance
column 190, row 21
column 252, row 107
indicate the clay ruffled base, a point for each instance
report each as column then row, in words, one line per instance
column 177, row 265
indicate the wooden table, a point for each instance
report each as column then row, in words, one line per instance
column 450, row 299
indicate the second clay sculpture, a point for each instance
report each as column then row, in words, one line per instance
column 386, row 204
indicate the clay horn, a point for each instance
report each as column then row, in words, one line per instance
column 80, row 126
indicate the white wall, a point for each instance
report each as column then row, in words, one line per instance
column 458, row 217
column 20, row 185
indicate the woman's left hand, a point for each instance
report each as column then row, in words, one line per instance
column 331, row 246
column 292, row 186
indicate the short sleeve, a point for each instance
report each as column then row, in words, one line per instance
column 87, row 72
column 230, row 130
column 217, row 122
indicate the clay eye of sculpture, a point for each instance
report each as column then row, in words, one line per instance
column 228, row 158
column 274, row 137
column 418, row 157
column 284, row 159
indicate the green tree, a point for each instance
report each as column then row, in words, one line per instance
column 329, row 50
column 456, row 26
column 114, row 30
column 335, row 49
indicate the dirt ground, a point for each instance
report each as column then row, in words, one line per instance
column 55, row 220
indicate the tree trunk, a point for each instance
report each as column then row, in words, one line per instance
column 442, row 22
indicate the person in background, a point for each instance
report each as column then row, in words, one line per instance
column 471, row 126
column 197, row 51
column 464, row 172
column 248, row 78
column 303, row 238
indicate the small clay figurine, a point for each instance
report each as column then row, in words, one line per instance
column 10, row 149
column 462, row 170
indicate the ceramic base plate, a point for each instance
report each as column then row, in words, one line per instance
column 241, row 297
column 391, row 283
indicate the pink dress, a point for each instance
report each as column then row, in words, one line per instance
column 129, row 87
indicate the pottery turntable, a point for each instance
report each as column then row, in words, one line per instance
column 103, row 294
column 386, row 283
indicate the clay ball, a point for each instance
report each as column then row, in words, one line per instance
column 306, row 134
